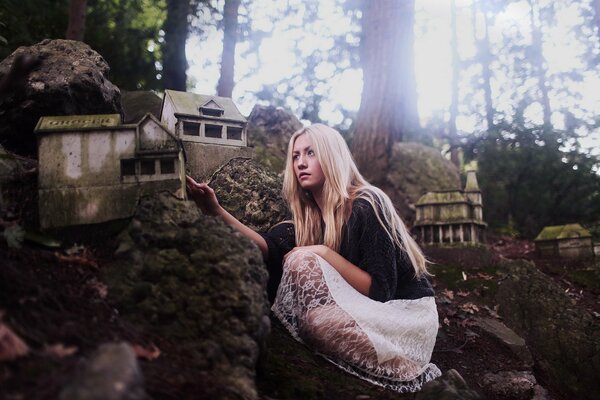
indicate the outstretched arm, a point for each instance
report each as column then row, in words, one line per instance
column 204, row 196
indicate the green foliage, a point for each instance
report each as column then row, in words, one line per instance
column 529, row 176
column 127, row 34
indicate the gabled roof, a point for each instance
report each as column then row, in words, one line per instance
column 568, row 231
column 189, row 104
column 442, row 197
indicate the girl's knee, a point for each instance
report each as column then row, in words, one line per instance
column 301, row 260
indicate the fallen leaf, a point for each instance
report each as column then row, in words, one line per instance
column 148, row 354
column 464, row 276
column 99, row 287
column 446, row 322
column 60, row 350
column 11, row 345
column 484, row 276
column 463, row 293
column 470, row 308
column 448, row 293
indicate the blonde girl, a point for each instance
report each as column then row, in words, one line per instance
column 345, row 275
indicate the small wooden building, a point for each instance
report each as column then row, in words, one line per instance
column 93, row 169
column 211, row 128
column 451, row 216
column 564, row 241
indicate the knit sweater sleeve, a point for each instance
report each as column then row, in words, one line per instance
column 378, row 254
column 280, row 240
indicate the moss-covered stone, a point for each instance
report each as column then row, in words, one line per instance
column 564, row 339
column 416, row 169
column 193, row 280
column 250, row 192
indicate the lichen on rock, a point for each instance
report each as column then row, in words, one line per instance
column 192, row 279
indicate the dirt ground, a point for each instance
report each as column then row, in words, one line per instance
column 56, row 303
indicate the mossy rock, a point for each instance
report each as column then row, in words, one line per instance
column 563, row 338
column 196, row 282
column 250, row 192
column 414, row 170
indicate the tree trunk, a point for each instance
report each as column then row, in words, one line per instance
column 452, row 134
column 485, row 58
column 538, row 62
column 230, row 26
column 387, row 110
column 176, row 33
column 77, row 13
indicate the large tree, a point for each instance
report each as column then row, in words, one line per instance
column 77, row 14
column 176, row 28
column 230, row 31
column 387, row 110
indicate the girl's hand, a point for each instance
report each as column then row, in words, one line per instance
column 203, row 195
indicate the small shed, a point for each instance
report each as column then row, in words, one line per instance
column 93, row 169
column 451, row 216
column 564, row 241
column 211, row 128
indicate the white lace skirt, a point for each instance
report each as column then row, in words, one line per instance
column 388, row 344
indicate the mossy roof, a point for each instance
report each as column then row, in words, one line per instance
column 189, row 104
column 442, row 197
column 568, row 231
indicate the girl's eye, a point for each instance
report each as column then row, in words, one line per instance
column 295, row 157
column 311, row 153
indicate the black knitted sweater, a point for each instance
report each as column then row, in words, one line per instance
column 366, row 245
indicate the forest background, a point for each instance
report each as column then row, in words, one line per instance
column 517, row 96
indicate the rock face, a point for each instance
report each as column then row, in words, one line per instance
column 192, row 280
column 112, row 373
column 416, row 169
column 564, row 339
column 250, row 192
column 53, row 77
column 269, row 131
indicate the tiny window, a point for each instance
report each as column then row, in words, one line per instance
column 191, row 129
column 147, row 167
column 127, row 167
column 211, row 112
column 234, row 133
column 167, row 166
column 212, row 131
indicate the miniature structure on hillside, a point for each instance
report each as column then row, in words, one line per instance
column 564, row 241
column 93, row 169
column 451, row 216
column 211, row 128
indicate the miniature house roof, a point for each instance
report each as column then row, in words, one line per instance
column 568, row 231
column 200, row 105
column 442, row 197
column 64, row 123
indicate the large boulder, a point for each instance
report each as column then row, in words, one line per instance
column 196, row 282
column 250, row 192
column 53, row 77
column 269, row 131
column 414, row 170
column 563, row 338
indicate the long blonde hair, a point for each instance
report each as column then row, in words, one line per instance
column 343, row 184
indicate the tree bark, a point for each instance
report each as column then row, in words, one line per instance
column 538, row 61
column 176, row 32
column 77, row 14
column 387, row 110
column 452, row 133
column 485, row 58
column 230, row 26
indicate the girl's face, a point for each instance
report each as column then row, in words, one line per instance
column 306, row 165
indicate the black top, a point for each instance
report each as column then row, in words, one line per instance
column 366, row 245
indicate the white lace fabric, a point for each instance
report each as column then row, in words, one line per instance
column 388, row 344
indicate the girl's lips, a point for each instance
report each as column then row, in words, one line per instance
column 303, row 175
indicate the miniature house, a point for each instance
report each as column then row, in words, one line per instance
column 211, row 129
column 93, row 169
column 565, row 241
column 451, row 216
